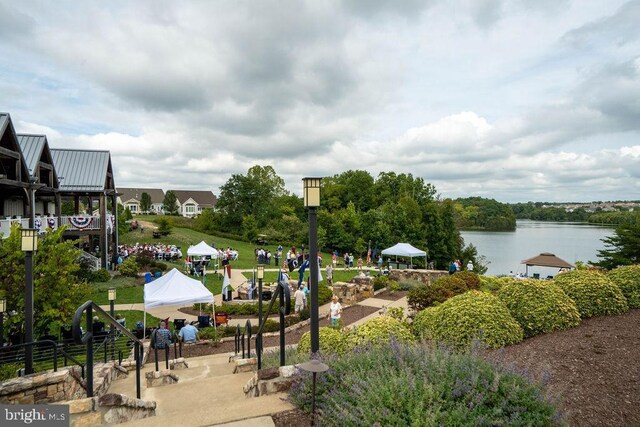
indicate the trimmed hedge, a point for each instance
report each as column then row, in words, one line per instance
column 539, row 307
column 493, row 284
column 471, row 316
column 380, row 330
column 628, row 280
column 440, row 291
column 471, row 279
column 332, row 341
column 593, row 293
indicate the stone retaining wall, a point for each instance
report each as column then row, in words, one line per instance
column 270, row 381
column 425, row 276
column 46, row 387
column 358, row 289
column 108, row 409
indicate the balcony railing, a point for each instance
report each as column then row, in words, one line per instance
column 73, row 223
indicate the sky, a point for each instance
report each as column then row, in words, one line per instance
column 513, row 100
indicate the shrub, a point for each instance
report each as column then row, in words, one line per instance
column 380, row 282
column 9, row 370
column 411, row 385
column 467, row 317
column 209, row 334
column 332, row 341
column 129, row 268
column 440, row 291
column 407, row 285
column 100, row 275
column 593, row 292
column 395, row 312
column 393, row 286
column 427, row 296
column 324, row 294
column 539, row 307
column 160, row 266
column 471, row 279
column 628, row 280
column 493, row 284
column 380, row 330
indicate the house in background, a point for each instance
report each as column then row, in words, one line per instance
column 132, row 197
column 191, row 203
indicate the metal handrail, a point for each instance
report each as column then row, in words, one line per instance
column 87, row 339
column 55, row 347
column 282, row 291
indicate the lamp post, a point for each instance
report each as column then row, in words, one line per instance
column 112, row 302
column 3, row 308
column 29, row 246
column 311, row 191
column 260, row 274
column 314, row 366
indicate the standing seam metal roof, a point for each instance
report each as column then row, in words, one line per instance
column 32, row 146
column 81, row 170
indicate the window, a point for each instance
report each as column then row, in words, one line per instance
column 189, row 208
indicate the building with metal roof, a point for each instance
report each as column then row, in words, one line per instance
column 84, row 171
column 131, row 198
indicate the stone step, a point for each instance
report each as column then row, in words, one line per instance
column 206, row 393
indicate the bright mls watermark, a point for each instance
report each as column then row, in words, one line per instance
column 34, row 415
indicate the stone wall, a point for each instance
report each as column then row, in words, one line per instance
column 108, row 409
column 46, row 387
column 270, row 381
column 66, row 384
column 425, row 276
column 355, row 291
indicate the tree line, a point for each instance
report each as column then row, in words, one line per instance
column 357, row 212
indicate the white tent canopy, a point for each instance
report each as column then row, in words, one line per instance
column 174, row 288
column 405, row 250
column 202, row 249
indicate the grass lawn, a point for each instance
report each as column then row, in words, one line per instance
column 184, row 237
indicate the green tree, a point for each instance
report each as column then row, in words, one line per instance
column 170, row 203
column 145, row 202
column 623, row 248
column 164, row 226
column 249, row 228
column 256, row 193
column 57, row 290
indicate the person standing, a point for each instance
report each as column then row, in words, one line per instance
column 335, row 310
column 452, row 267
column 329, row 274
column 299, row 300
column 346, row 260
column 470, row 266
column 360, row 263
column 162, row 336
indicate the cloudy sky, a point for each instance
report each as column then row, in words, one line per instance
column 514, row 100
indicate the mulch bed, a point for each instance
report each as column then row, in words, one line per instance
column 391, row 296
column 592, row 369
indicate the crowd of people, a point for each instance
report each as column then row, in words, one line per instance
column 158, row 251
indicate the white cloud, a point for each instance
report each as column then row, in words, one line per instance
column 511, row 100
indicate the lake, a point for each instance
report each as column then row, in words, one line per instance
column 504, row 250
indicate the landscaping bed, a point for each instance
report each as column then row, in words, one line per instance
column 391, row 296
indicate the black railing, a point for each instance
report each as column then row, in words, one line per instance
column 284, row 294
column 177, row 344
column 13, row 354
column 87, row 339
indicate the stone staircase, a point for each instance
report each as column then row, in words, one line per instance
column 207, row 393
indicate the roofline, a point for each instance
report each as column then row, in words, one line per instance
column 80, row 149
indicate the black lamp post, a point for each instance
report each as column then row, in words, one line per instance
column 314, row 366
column 29, row 246
column 260, row 275
column 3, row 308
column 112, row 301
column 311, row 188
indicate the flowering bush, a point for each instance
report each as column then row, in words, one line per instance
column 628, row 280
column 471, row 279
column 332, row 341
column 593, row 292
column 398, row 385
column 539, row 307
column 471, row 316
column 380, row 330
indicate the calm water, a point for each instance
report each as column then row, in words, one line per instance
column 569, row 241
